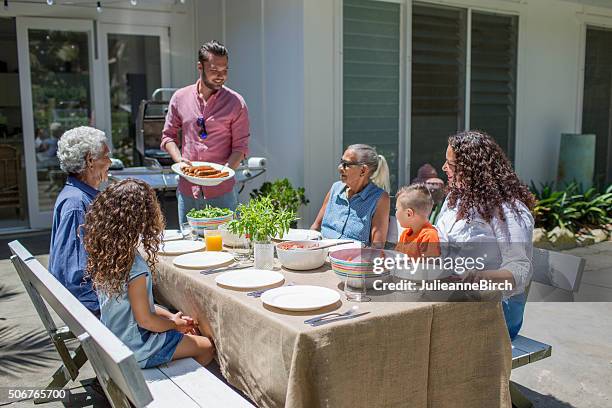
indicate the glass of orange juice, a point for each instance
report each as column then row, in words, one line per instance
column 213, row 240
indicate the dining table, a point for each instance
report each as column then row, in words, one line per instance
column 407, row 351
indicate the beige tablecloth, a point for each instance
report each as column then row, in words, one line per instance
column 402, row 354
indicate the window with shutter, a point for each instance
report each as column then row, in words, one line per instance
column 493, row 77
column 371, row 81
column 597, row 100
column 438, row 82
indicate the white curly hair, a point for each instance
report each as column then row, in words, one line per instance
column 75, row 144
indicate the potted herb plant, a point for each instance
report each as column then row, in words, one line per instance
column 260, row 221
column 283, row 195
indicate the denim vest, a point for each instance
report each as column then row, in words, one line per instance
column 350, row 218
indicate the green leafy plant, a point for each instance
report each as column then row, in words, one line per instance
column 209, row 212
column 572, row 208
column 260, row 220
column 282, row 194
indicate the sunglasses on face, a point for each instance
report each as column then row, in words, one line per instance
column 202, row 124
column 345, row 164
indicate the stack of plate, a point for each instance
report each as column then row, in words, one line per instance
column 357, row 263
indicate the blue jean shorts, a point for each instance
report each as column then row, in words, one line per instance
column 164, row 355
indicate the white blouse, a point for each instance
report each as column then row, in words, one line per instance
column 505, row 245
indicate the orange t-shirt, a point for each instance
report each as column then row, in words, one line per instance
column 425, row 243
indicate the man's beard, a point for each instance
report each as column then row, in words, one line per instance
column 209, row 84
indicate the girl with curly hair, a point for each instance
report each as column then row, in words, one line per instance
column 123, row 217
column 487, row 204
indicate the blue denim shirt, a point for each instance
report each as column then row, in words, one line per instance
column 350, row 218
column 67, row 256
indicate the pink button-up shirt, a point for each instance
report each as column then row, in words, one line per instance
column 227, row 125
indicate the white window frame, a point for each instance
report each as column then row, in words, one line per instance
column 37, row 217
column 110, row 28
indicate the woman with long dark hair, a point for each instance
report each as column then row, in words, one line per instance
column 487, row 211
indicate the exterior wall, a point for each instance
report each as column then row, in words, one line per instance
column 286, row 60
column 265, row 41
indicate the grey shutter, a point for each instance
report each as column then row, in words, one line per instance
column 597, row 100
column 493, row 77
column 438, row 82
column 371, row 67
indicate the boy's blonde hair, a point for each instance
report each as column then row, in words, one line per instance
column 415, row 196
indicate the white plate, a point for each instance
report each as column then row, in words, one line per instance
column 249, row 278
column 300, row 297
column 204, row 181
column 171, row 235
column 203, row 260
column 299, row 235
column 179, row 247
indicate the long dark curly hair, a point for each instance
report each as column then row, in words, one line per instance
column 122, row 217
column 486, row 180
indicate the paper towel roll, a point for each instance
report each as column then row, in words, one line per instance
column 256, row 163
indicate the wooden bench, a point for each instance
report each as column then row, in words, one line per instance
column 182, row 383
column 560, row 272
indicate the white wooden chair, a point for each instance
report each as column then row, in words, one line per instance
column 182, row 383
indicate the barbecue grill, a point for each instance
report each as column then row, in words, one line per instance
column 149, row 125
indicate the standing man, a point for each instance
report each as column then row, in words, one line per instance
column 215, row 124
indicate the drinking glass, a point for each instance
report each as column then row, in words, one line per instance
column 264, row 255
column 355, row 288
column 188, row 232
column 243, row 250
column 213, row 240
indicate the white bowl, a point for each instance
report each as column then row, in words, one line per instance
column 230, row 239
column 301, row 259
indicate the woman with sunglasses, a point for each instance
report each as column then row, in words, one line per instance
column 487, row 214
column 357, row 206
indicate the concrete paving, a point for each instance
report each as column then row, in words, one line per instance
column 579, row 373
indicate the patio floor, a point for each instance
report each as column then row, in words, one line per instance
column 577, row 375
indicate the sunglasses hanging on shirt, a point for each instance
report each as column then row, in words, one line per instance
column 202, row 124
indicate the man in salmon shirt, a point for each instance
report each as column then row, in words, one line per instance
column 215, row 124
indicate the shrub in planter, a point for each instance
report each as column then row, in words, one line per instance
column 283, row 196
column 571, row 208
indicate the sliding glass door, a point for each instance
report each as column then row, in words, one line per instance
column 59, row 83
column 136, row 63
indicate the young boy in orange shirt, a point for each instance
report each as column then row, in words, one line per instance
column 413, row 205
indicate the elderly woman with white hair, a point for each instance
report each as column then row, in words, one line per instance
column 83, row 154
column 357, row 206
